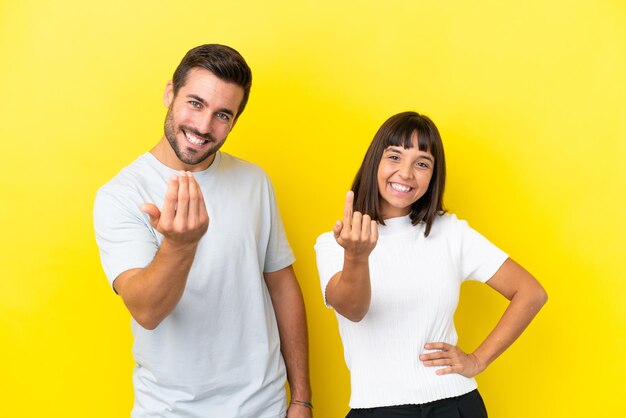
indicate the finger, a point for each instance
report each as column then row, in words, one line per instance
column 194, row 209
column 337, row 229
column 204, row 216
column 447, row 370
column 171, row 198
column 438, row 346
column 374, row 232
column 434, row 356
column 438, row 362
column 366, row 228
column 357, row 220
column 153, row 212
column 347, row 210
column 182, row 209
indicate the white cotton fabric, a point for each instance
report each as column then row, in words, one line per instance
column 415, row 282
column 218, row 353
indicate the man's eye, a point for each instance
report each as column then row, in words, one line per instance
column 195, row 103
column 223, row 116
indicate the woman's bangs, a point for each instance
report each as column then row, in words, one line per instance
column 403, row 136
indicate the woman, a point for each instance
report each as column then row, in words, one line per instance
column 392, row 271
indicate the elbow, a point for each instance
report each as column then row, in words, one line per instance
column 353, row 313
column 539, row 298
column 355, row 318
column 351, row 307
column 147, row 321
column 542, row 297
column 150, row 326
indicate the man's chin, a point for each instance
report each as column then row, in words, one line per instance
column 194, row 158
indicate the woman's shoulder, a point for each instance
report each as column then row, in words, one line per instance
column 447, row 222
column 446, row 219
column 325, row 239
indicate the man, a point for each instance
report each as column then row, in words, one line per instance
column 207, row 277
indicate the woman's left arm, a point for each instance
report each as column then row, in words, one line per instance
column 527, row 297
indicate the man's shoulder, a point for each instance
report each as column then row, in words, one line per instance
column 231, row 162
column 238, row 169
column 129, row 179
column 132, row 171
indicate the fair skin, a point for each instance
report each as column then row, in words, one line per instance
column 403, row 177
column 200, row 117
column 291, row 318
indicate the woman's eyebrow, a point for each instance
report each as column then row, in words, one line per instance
column 398, row 150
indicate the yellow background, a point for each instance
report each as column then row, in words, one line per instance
column 529, row 97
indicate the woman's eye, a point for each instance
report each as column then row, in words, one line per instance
column 394, row 157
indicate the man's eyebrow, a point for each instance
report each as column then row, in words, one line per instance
column 197, row 98
column 201, row 100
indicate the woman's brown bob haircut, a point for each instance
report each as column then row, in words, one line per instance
column 399, row 130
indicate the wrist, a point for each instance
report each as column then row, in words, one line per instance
column 301, row 393
column 304, row 404
column 178, row 247
column 352, row 258
column 479, row 362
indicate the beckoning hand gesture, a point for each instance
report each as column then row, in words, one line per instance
column 184, row 218
column 358, row 233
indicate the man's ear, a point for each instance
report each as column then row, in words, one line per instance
column 234, row 123
column 168, row 94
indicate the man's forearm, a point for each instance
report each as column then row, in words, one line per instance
column 152, row 293
column 292, row 326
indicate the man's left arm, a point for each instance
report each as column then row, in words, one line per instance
column 291, row 318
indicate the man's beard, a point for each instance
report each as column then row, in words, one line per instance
column 188, row 155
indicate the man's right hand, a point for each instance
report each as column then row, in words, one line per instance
column 184, row 219
column 151, row 293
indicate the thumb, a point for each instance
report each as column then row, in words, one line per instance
column 337, row 229
column 153, row 212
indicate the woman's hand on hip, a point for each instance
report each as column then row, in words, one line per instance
column 453, row 360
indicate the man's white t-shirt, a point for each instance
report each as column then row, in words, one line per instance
column 218, row 353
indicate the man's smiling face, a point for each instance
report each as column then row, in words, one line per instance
column 199, row 118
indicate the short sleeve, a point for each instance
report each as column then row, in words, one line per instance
column 479, row 258
column 279, row 254
column 329, row 257
column 123, row 233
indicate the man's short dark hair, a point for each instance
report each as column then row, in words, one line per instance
column 223, row 61
column 399, row 130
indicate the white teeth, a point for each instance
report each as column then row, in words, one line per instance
column 194, row 140
column 400, row 187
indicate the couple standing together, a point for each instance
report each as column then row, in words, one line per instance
column 191, row 239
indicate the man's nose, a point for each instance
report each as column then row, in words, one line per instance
column 205, row 124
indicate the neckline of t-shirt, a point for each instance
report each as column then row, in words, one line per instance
column 154, row 161
column 398, row 225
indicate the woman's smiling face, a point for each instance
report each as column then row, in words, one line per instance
column 403, row 177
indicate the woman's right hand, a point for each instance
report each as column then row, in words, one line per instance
column 357, row 234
